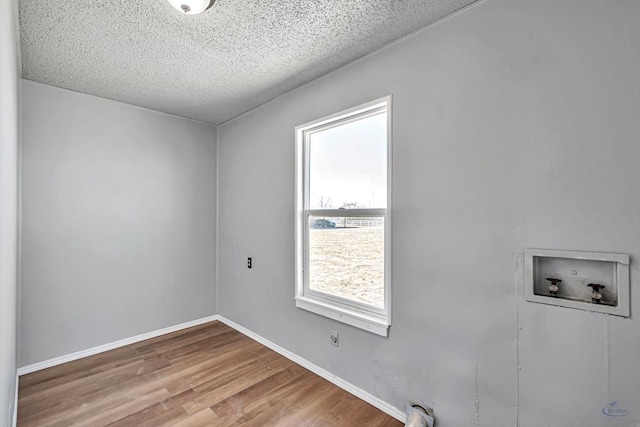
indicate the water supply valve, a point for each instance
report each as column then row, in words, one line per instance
column 596, row 296
column 553, row 287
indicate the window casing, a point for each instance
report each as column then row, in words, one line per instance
column 314, row 220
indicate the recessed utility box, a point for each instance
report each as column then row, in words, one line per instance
column 590, row 281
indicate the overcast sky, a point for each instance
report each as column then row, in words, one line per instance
column 349, row 164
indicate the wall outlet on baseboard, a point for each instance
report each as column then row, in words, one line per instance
column 333, row 336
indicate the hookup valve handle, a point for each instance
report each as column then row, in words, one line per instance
column 553, row 287
column 596, row 296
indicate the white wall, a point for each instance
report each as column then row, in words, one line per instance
column 118, row 221
column 515, row 124
column 9, row 71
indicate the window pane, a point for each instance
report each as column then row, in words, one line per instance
column 346, row 258
column 348, row 165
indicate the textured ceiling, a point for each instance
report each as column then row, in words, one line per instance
column 213, row 66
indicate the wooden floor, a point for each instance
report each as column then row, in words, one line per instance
column 209, row 375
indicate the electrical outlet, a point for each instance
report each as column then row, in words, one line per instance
column 333, row 336
column 249, row 262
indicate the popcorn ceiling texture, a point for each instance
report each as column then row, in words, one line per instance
column 213, row 66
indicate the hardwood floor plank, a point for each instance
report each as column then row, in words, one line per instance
column 71, row 371
column 282, row 408
column 169, row 410
column 110, row 414
column 208, row 375
column 259, row 393
column 229, row 385
column 49, row 401
column 89, row 389
column 204, row 418
column 231, row 364
column 111, row 359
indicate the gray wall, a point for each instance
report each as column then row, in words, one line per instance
column 118, row 221
column 9, row 72
column 515, row 124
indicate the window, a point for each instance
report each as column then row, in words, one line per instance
column 342, row 216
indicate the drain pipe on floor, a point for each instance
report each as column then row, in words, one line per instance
column 418, row 416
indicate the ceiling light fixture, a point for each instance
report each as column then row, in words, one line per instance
column 191, row 7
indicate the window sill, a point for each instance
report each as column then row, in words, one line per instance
column 373, row 323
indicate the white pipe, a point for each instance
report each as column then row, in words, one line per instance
column 417, row 416
column 415, row 420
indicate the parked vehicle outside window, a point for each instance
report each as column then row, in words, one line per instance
column 324, row 223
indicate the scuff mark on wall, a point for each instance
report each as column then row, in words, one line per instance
column 607, row 353
column 384, row 374
column 433, row 383
column 477, row 398
column 519, row 282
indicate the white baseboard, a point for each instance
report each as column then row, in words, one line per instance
column 347, row 386
column 110, row 346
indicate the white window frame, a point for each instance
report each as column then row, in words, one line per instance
column 368, row 317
